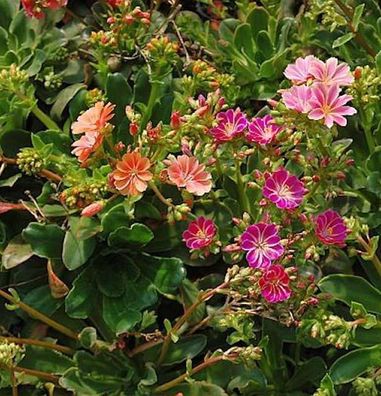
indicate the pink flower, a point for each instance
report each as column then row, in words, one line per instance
column 262, row 243
column 231, row 123
column 86, row 145
column 200, row 233
column 132, row 174
column 300, row 71
column 187, row 172
column 327, row 104
column 298, row 98
column 262, row 130
column 332, row 72
column 284, row 189
column 330, row 228
column 94, row 119
column 274, row 284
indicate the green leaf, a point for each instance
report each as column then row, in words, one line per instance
column 13, row 140
column 190, row 293
column 348, row 288
column 10, row 181
column 118, row 92
column 47, row 360
column 137, row 235
column 259, row 20
column 63, row 99
column 378, row 62
column 198, row 388
column 374, row 160
column 8, row 9
column 113, row 219
column 357, row 16
column 80, row 300
column 264, row 44
column 243, row 40
column 45, row 239
column 327, row 387
column 355, row 363
column 16, row 252
column 75, row 251
column 342, row 40
column 310, row 371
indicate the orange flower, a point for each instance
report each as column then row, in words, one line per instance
column 187, row 172
column 132, row 174
column 94, row 119
column 86, row 145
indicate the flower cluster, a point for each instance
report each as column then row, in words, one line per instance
column 36, row 8
column 317, row 90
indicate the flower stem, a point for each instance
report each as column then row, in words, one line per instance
column 367, row 130
column 188, row 312
column 45, row 119
column 375, row 260
column 155, row 88
column 160, row 196
column 36, row 373
column 39, row 316
column 241, row 189
column 42, row 344
column 182, row 377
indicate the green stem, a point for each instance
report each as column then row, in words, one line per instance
column 241, row 189
column 155, row 88
column 45, row 119
column 368, row 132
column 375, row 260
column 39, row 316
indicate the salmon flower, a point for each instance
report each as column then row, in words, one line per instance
column 35, row 8
column 330, row 228
column 132, row 174
column 327, row 104
column 274, row 284
column 187, row 172
column 86, row 145
column 94, row 119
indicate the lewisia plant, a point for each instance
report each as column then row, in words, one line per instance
column 182, row 224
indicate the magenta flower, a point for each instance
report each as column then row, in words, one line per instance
column 330, row 228
column 200, row 233
column 262, row 243
column 300, row 71
column 327, row 104
column 262, row 130
column 298, row 98
column 284, row 189
column 275, row 284
column 331, row 72
column 231, row 123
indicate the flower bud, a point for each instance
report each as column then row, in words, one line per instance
column 92, row 209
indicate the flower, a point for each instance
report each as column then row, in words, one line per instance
column 230, row 124
column 92, row 209
column 262, row 130
column 284, row 189
column 34, row 8
column 298, row 98
column 187, row 172
column 94, row 119
column 200, row 233
column 132, row 174
column 331, row 72
column 327, row 104
column 274, row 284
column 330, row 228
column 86, row 145
column 300, row 71
column 262, row 243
